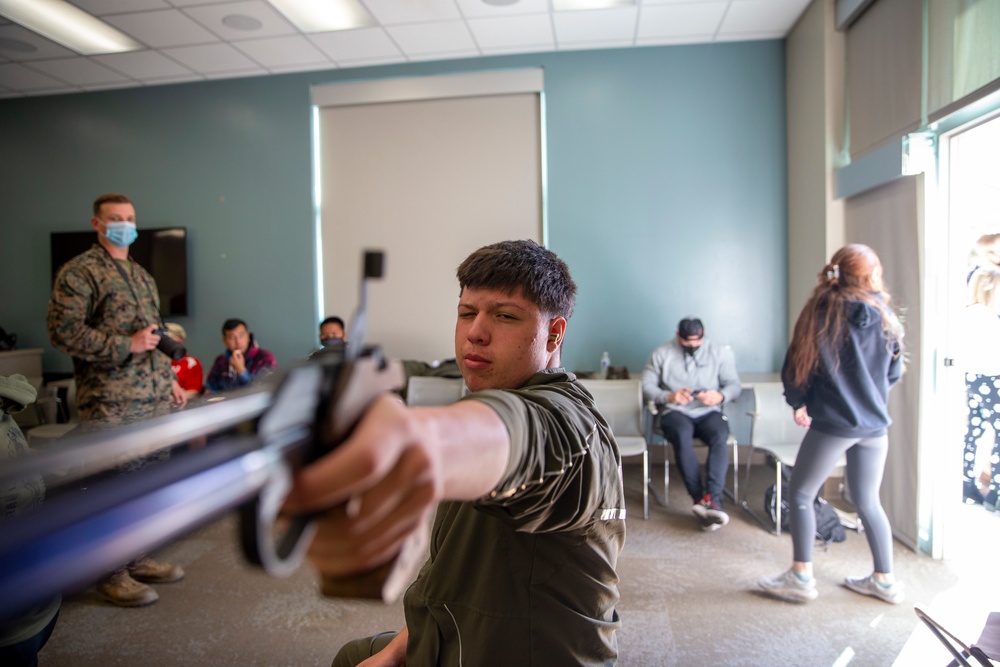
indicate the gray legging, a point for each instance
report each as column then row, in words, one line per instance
column 817, row 457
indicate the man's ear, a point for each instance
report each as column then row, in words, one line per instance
column 557, row 330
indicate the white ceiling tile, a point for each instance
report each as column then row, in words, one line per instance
column 469, row 53
column 426, row 38
column 20, row 77
column 190, row 42
column 390, row 12
column 372, row 62
column 512, row 31
column 592, row 46
column 368, row 44
column 108, row 86
column 103, row 7
column 679, row 21
column 676, row 39
column 757, row 16
column 27, row 45
column 282, row 51
column 272, row 23
column 503, row 50
column 749, row 36
column 480, row 9
column 192, row 3
column 143, row 64
column 162, row 28
column 236, row 74
column 597, row 26
column 211, row 58
column 78, row 71
column 309, row 67
column 180, row 78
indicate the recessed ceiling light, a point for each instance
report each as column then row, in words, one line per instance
column 500, row 3
column 70, row 26
column 16, row 45
column 241, row 22
column 570, row 5
column 324, row 15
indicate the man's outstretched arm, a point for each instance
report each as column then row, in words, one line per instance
column 385, row 478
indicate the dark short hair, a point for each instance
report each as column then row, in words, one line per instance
column 332, row 320
column 232, row 323
column 510, row 266
column 110, row 198
column 690, row 327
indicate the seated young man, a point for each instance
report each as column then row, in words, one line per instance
column 531, row 521
column 242, row 362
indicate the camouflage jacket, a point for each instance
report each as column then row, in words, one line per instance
column 17, row 496
column 92, row 313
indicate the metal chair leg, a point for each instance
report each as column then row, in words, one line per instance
column 662, row 500
column 736, row 472
column 746, row 505
column 645, row 488
column 777, row 496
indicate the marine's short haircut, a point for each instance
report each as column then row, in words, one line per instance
column 525, row 266
column 110, row 198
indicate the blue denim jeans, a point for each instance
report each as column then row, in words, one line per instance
column 680, row 431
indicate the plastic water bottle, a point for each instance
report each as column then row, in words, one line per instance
column 605, row 365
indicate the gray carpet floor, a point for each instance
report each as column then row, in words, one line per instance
column 687, row 598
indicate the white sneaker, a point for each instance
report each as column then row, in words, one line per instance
column 788, row 586
column 893, row 593
column 710, row 514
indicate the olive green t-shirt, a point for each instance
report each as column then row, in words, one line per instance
column 526, row 575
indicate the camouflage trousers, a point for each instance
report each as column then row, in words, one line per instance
column 111, row 414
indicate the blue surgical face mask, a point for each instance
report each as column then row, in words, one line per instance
column 121, row 234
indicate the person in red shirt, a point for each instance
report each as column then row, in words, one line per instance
column 188, row 370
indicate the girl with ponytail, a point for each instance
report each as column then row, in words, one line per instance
column 846, row 353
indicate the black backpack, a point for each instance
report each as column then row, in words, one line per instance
column 828, row 526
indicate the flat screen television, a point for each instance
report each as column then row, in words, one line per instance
column 162, row 252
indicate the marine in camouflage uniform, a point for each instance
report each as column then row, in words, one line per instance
column 104, row 312
column 92, row 313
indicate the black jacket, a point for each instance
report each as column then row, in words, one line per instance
column 851, row 399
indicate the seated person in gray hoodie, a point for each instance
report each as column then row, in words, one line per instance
column 689, row 378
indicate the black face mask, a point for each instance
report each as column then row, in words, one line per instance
column 689, row 350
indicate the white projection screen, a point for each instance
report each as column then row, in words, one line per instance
column 426, row 176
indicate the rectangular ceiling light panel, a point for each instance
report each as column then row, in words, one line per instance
column 570, row 5
column 68, row 25
column 324, row 15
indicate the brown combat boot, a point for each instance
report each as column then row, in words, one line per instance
column 122, row 590
column 150, row 571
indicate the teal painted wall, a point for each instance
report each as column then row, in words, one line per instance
column 666, row 195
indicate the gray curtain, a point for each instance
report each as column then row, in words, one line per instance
column 888, row 219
